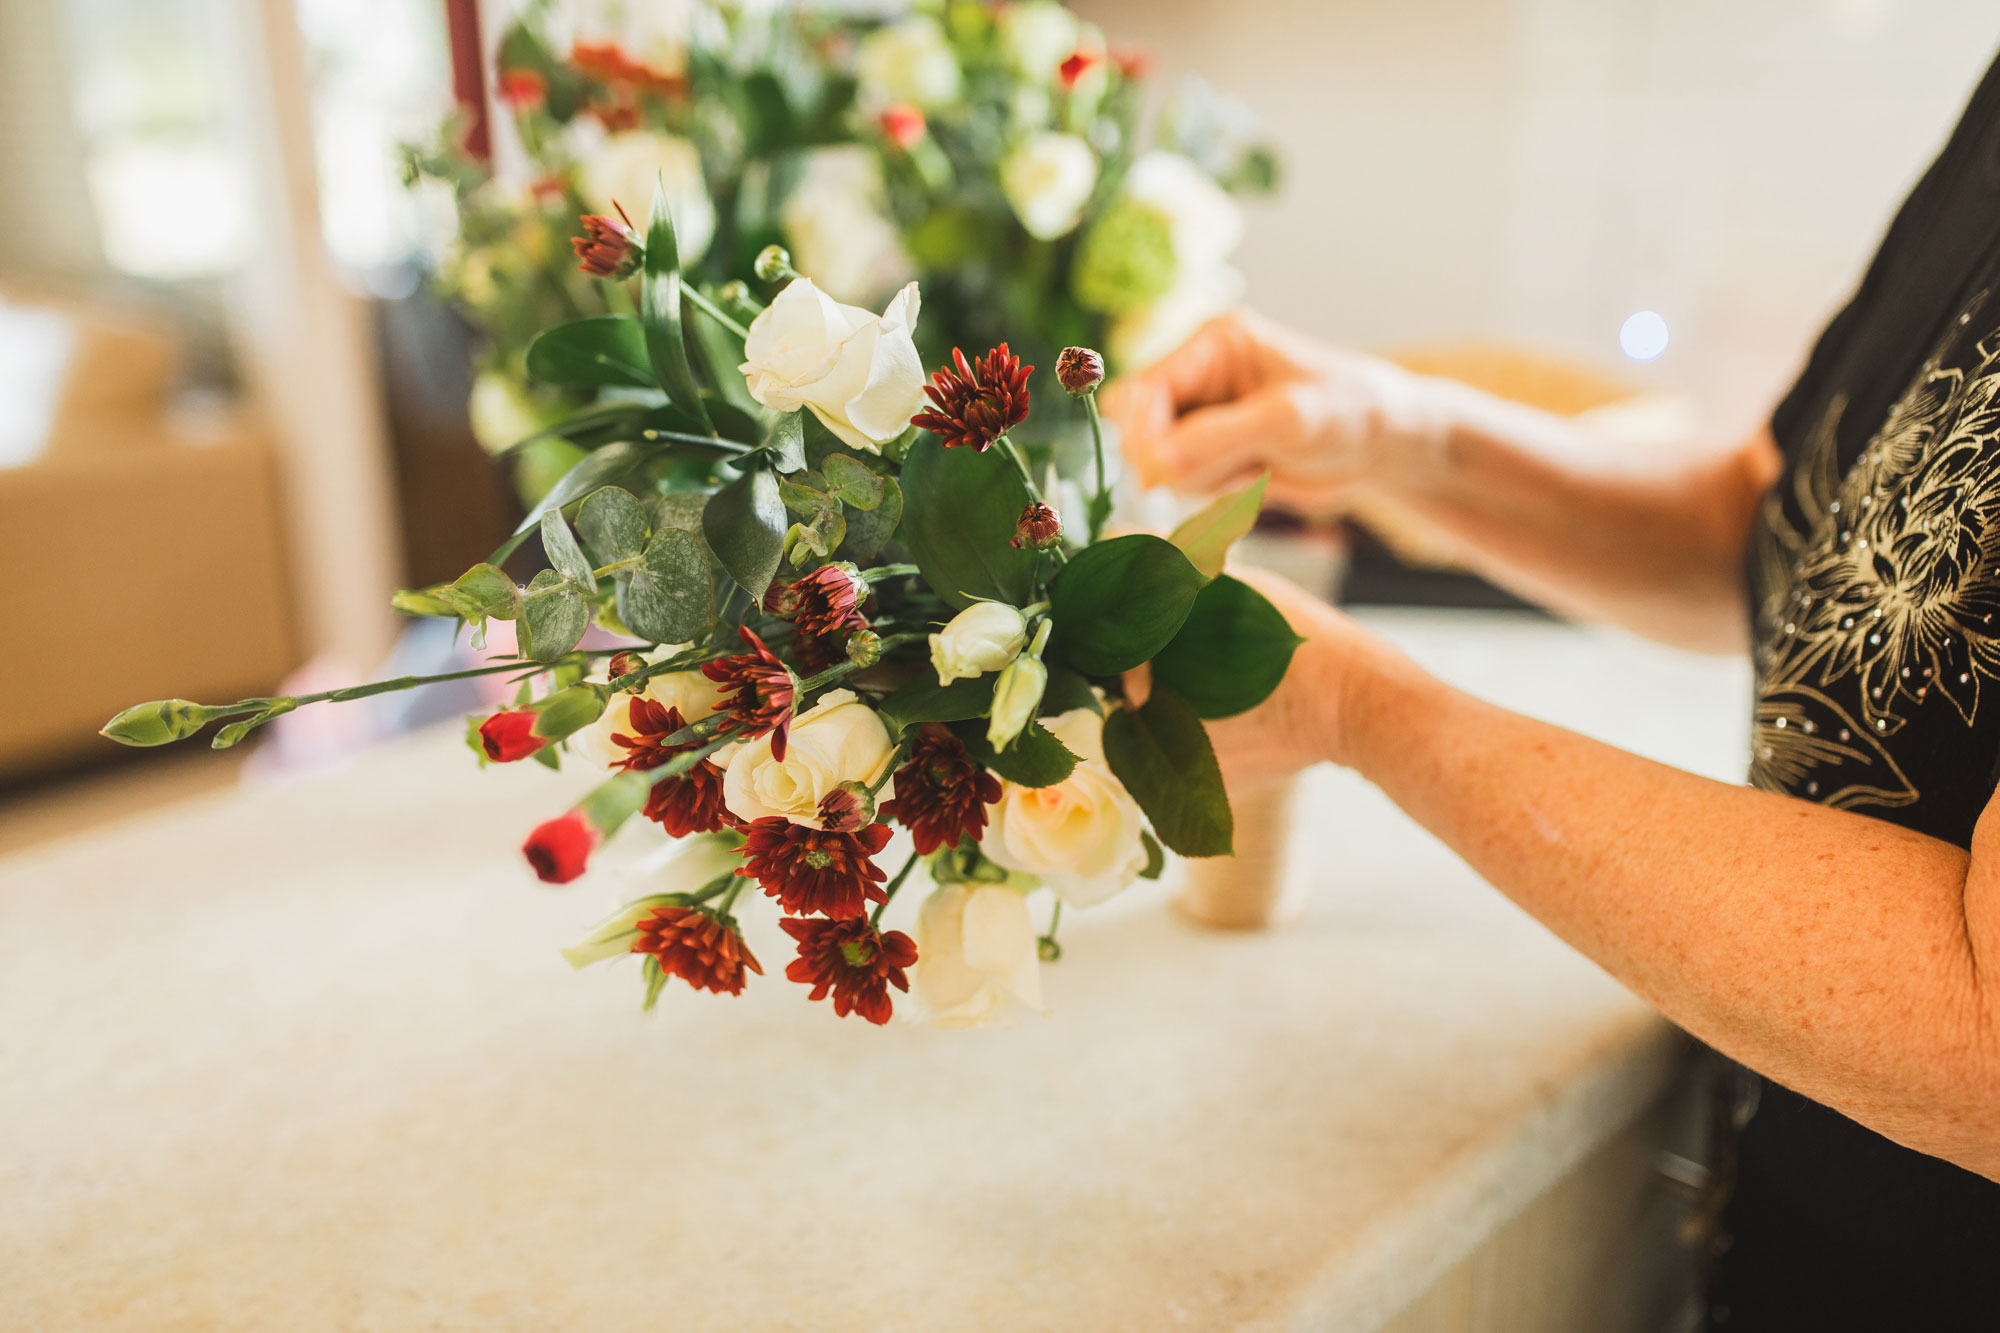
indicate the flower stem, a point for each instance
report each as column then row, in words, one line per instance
column 712, row 310
column 684, row 437
column 722, row 909
column 1013, row 452
column 1046, row 947
column 883, row 573
column 1100, row 504
column 894, row 885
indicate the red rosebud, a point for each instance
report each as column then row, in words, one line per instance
column 762, row 692
column 810, row 870
column 903, row 124
column 1132, row 62
column 854, row 961
column 690, row 803
column 509, row 736
column 1038, row 528
column 560, row 849
column 941, row 795
column 827, row 601
column 1080, row 370
column 523, row 89
column 607, row 250
column 1071, row 71
column 697, row 946
column 979, row 402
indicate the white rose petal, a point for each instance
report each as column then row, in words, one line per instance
column 976, row 956
column 695, row 695
column 984, row 637
column 1082, row 835
column 837, row 225
column 1048, row 179
column 838, row 740
column 1204, row 222
column 859, row 373
column 909, row 61
column 623, row 169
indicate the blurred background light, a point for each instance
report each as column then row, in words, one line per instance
column 1643, row 336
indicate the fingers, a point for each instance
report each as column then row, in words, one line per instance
column 1211, row 367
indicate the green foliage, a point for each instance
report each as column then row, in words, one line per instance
column 1156, row 857
column 602, row 467
column 669, row 598
column 567, row 711
column 613, row 524
column 1230, row 653
column 851, row 481
column 1205, row 538
column 1162, row 754
column 559, row 544
column 745, row 526
column 660, row 312
column 605, row 351
column 924, row 700
column 785, row 439
column 1034, row 759
column 1125, row 259
column 959, row 512
column 553, row 617
column 1117, row 603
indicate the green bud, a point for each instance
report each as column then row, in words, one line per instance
column 1125, row 260
column 234, row 733
column 773, row 263
column 864, row 647
column 1018, row 694
column 160, row 722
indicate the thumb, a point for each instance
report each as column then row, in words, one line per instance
column 1213, row 445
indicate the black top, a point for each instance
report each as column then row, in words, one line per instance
column 1875, row 582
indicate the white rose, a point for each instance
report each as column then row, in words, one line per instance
column 983, row 637
column 623, row 168
column 1080, row 835
column 837, row 226
column 976, row 955
column 694, row 694
column 839, row 740
column 1048, row 179
column 1205, row 223
column 1039, row 36
column 859, row 374
column 910, row 61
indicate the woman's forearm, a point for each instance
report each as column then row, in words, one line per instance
column 1854, row 961
column 1652, row 539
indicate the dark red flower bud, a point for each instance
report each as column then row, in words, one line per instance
column 560, row 849
column 624, row 664
column 826, row 601
column 509, row 736
column 848, row 808
column 1038, row 529
column 606, row 249
column 941, row 795
column 762, row 692
column 903, row 124
column 978, row 402
column 1080, row 371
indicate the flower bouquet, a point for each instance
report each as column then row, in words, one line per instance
column 997, row 154
column 846, row 605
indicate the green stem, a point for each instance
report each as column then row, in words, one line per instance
column 712, row 888
column 894, row 885
column 722, row 909
column 352, row 692
column 683, row 437
column 712, row 310
column 1100, row 507
column 883, row 573
column 1013, row 452
column 1046, row 947
column 839, row 669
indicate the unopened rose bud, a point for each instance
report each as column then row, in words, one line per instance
column 864, row 647
column 773, row 263
column 848, row 808
column 1080, row 370
column 606, row 249
column 1038, row 529
column 1017, row 696
column 983, row 637
column 159, row 723
column 510, row 736
column 560, row 849
column 624, row 664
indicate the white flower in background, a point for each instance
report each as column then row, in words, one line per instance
column 682, row 866
column 984, row 637
column 1038, row 36
column 695, row 695
column 1080, row 835
column 1048, row 178
column 976, row 955
column 908, row 61
column 838, row 229
column 840, row 739
column 859, row 373
column 623, row 167
column 502, row 413
column 1205, row 226
column 1138, row 339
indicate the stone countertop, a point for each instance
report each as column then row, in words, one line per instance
column 303, row 1055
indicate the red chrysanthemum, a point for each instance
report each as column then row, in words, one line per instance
column 522, row 89
column 698, row 947
column 854, row 961
column 762, row 692
column 690, row 803
column 560, row 848
column 810, row 871
column 509, row 736
column 941, row 795
column 979, row 402
column 1071, row 71
column 1038, row 528
column 826, row 602
column 606, row 249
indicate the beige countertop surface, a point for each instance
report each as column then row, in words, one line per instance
column 302, row 1055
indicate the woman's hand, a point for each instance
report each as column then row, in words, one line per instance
column 1243, row 396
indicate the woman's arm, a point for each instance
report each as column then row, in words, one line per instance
column 1851, row 960
column 1651, row 539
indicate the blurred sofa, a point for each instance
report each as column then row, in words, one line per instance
column 141, row 547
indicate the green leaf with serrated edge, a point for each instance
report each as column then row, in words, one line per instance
column 613, row 524
column 604, row 351
column 959, row 512
column 924, row 700
column 1162, row 754
column 669, row 598
column 851, row 481
column 660, row 311
column 745, row 525
column 1066, row 691
column 785, row 441
column 553, row 617
column 1231, row 651
column 1117, row 603
column 1156, row 857
column 1034, row 759
column 869, row 530
column 600, row 468
column 1207, row 536
column 559, row 544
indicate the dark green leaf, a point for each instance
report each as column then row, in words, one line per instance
column 1156, row 857
column 745, row 524
column 669, row 598
column 599, row 468
column 721, row 352
column 959, row 511
column 1230, row 653
column 924, row 700
column 559, row 544
column 1117, row 603
column 553, row 617
column 1162, row 755
column 1066, row 691
column 613, row 524
column 851, row 481
column 1035, row 758
column 785, row 441
column 605, row 350
column 660, row 311
column 869, row 530
column 805, row 494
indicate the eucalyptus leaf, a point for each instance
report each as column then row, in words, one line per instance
column 745, row 525
column 1162, row 754
column 603, row 351
column 960, row 508
column 553, row 617
column 1231, row 651
column 669, row 598
column 869, row 530
column 559, row 544
column 660, row 311
column 613, row 524
column 1205, row 537
column 1117, row 603
column 851, row 481
column 599, row 468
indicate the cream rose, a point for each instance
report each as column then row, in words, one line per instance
column 837, row 225
column 976, row 955
column 984, row 637
column 840, row 739
column 909, row 61
column 1048, row 179
column 1039, row 35
column 1080, row 835
column 859, row 373
column 624, row 167
column 693, row 693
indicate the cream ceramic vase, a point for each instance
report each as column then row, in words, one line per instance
column 1252, row 889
